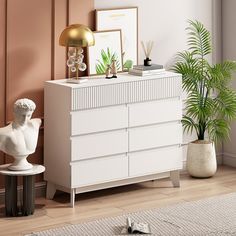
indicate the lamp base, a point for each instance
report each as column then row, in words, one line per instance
column 76, row 81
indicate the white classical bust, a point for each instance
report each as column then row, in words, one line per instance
column 19, row 138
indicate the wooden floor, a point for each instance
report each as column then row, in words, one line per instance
column 116, row 201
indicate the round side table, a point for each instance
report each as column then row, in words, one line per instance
column 27, row 206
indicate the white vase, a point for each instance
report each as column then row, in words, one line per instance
column 201, row 159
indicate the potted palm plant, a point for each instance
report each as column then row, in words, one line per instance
column 210, row 104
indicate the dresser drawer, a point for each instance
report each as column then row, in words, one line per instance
column 96, row 120
column 100, row 170
column 155, row 136
column 155, row 112
column 101, row 144
column 155, row 161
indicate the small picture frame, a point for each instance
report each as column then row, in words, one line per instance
column 107, row 46
column 125, row 19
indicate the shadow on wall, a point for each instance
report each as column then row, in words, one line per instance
column 19, row 81
column 169, row 64
column 21, row 84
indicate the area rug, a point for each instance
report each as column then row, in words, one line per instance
column 215, row 216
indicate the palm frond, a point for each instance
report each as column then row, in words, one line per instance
column 186, row 66
column 225, row 104
column 189, row 125
column 218, row 129
column 199, row 39
column 201, row 80
column 106, row 59
column 221, row 74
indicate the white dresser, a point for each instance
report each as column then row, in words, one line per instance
column 106, row 133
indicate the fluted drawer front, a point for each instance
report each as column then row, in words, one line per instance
column 155, row 136
column 159, row 160
column 99, row 96
column 127, row 92
column 99, row 170
column 101, row 119
column 154, row 112
column 154, row 89
column 101, row 144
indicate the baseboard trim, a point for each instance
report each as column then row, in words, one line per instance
column 40, row 191
column 229, row 159
column 219, row 158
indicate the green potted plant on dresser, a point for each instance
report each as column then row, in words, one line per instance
column 211, row 103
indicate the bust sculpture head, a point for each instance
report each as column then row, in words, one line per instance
column 23, row 110
column 19, row 138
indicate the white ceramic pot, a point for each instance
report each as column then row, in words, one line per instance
column 201, row 159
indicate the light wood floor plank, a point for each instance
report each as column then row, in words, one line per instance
column 115, row 201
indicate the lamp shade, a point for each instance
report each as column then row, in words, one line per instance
column 77, row 35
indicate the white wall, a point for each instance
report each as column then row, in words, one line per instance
column 164, row 21
column 229, row 53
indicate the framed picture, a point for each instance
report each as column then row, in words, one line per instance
column 107, row 47
column 125, row 19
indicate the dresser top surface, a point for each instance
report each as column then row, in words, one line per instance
column 122, row 78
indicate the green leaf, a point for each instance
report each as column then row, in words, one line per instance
column 128, row 64
column 106, row 59
column 189, row 125
column 211, row 103
column 199, row 40
column 218, row 129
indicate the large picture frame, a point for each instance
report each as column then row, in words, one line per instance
column 108, row 46
column 125, row 19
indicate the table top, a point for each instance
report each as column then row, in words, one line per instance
column 99, row 80
column 36, row 169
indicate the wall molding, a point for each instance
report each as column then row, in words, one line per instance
column 24, row 66
column 5, row 69
column 229, row 159
column 52, row 39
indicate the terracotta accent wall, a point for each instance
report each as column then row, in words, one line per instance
column 60, row 21
column 2, row 72
column 81, row 11
column 28, row 51
column 30, row 54
column 83, row 15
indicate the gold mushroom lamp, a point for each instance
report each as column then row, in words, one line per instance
column 75, row 37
